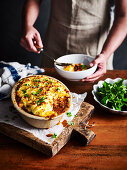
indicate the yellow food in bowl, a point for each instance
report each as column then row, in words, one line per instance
column 42, row 96
column 76, row 67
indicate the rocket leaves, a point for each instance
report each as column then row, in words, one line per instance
column 113, row 95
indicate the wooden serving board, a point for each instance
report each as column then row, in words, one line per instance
column 29, row 139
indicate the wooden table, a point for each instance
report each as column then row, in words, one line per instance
column 108, row 150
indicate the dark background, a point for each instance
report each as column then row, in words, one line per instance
column 10, row 49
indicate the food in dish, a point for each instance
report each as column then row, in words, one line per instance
column 76, row 67
column 42, row 96
column 113, row 95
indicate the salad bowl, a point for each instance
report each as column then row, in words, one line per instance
column 120, row 84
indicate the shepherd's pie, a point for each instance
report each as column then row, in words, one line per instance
column 42, row 96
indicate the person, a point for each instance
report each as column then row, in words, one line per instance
column 77, row 26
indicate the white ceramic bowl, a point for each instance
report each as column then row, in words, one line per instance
column 76, row 59
column 100, row 84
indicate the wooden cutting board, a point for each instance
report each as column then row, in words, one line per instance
column 84, row 134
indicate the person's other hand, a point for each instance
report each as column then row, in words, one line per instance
column 101, row 63
column 29, row 37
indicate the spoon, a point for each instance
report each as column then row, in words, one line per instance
column 53, row 59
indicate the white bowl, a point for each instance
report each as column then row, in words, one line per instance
column 76, row 59
column 100, row 84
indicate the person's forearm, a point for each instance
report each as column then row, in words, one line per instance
column 30, row 35
column 30, row 12
column 116, row 36
column 118, row 31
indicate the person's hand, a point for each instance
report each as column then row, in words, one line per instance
column 101, row 63
column 29, row 37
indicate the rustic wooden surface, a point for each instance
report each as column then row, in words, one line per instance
column 107, row 151
column 50, row 150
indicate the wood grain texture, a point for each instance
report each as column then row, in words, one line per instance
column 52, row 149
column 107, row 151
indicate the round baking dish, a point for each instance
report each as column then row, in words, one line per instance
column 38, row 121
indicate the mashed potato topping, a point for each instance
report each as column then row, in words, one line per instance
column 42, row 96
column 76, row 67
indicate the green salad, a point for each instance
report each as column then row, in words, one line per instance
column 114, row 95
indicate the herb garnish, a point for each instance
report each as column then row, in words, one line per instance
column 70, row 123
column 40, row 89
column 41, row 100
column 26, row 95
column 36, row 80
column 58, row 88
column 26, row 84
column 45, row 79
column 24, row 91
column 54, row 135
column 113, row 95
column 84, row 66
column 35, row 93
column 69, row 114
column 50, row 81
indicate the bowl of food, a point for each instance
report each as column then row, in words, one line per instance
column 78, row 68
column 41, row 100
column 111, row 94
